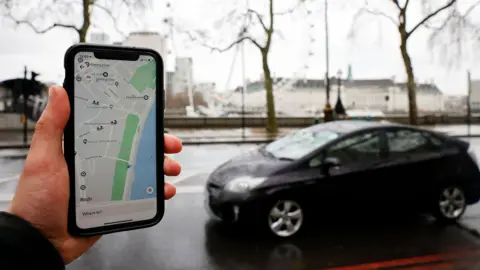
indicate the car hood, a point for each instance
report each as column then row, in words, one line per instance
column 254, row 163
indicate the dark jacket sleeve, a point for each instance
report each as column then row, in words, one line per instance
column 24, row 247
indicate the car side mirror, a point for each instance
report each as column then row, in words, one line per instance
column 330, row 162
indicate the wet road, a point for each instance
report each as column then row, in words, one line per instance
column 188, row 239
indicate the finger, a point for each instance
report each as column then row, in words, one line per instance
column 173, row 144
column 171, row 167
column 170, row 191
column 49, row 128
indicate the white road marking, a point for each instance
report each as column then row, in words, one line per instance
column 190, row 189
column 184, row 176
column 9, row 178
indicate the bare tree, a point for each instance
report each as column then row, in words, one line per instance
column 43, row 16
column 401, row 20
column 249, row 19
column 457, row 32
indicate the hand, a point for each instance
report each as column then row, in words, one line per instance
column 43, row 189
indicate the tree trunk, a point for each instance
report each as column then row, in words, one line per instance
column 82, row 36
column 271, row 115
column 82, row 33
column 411, row 87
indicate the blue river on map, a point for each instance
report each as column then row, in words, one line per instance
column 145, row 167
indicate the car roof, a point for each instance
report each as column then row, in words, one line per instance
column 348, row 126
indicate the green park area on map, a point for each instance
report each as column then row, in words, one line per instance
column 122, row 164
column 144, row 77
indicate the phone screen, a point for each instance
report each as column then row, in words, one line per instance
column 115, row 140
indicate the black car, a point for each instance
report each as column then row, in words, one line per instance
column 343, row 165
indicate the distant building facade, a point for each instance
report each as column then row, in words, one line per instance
column 183, row 75
column 309, row 96
column 456, row 103
column 475, row 96
column 99, row 38
column 208, row 91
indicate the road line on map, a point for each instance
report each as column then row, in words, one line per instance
column 9, row 178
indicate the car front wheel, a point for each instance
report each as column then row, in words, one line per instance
column 451, row 204
column 285, row 218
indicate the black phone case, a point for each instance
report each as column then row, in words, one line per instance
column 69, row 139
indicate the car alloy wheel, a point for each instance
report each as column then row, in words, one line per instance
column 452, row 203
column 285, row 218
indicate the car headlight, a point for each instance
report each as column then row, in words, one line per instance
column 243, row 184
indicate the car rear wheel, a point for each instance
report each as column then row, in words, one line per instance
column 451, row 204
column 285, row 218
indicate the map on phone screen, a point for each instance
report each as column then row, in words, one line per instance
column 115, row 140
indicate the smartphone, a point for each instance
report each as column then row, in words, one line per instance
column 113, row 141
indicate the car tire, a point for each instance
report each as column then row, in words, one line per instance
column 450, row 204
column 285, row 218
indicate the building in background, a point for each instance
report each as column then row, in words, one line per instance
column 183, row 76
column 208, row 90
column 456, row 103
column 204, row 87
column 170, row 76
column 99, row 38
column 475, row 96
column 307, row 97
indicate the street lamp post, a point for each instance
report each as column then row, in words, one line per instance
column 339, row 109
column 339, row 82
column 327, row 111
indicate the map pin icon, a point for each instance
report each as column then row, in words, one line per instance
column 85, row 141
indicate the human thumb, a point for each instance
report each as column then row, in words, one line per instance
column 49, row 128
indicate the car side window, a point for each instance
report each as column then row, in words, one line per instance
column 315, row 162
column 364, row 147
column 404, row 142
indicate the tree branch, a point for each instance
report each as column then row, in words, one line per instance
column 110, row 14
column 238, row 41
column 471, row 8
column 406, row 4
column 42, row 31
column 431, row 15
column 379, row 13
column 259, row 17
column 290, row 10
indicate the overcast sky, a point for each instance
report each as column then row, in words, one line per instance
column 373, row 53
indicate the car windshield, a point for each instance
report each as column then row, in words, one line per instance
column 297, row 144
